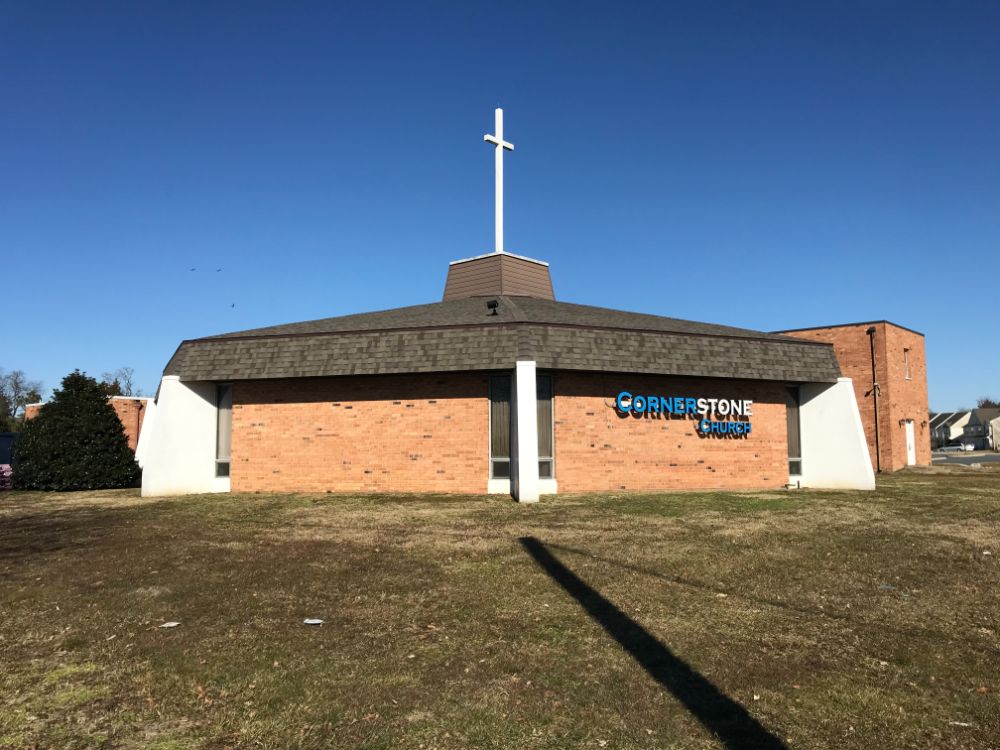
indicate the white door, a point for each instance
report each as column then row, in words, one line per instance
column 911, row 444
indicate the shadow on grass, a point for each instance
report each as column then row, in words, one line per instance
column 44, row 530
column 716, row 711
column 849, row 620
column 22, row 537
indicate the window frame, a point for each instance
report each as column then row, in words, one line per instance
column 551, row 458
column 223, row 464
column 793, row 397
column 510, row 402
column 906, row 363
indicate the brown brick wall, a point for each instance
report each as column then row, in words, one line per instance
column 406, row 433
column 906, row 398
column 430, row 434
column 599, row 450
column 899, row 398
column 131, row 413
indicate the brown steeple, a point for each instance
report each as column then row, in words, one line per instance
column 496, row 274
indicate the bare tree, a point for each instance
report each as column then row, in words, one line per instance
column 988, row 403
column 16, row 392
column 122, row 380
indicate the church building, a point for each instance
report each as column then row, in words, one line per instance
column 501, row 388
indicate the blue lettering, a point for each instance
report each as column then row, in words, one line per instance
column 620, row 402
column 725, row 424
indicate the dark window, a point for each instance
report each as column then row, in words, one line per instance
column 546, row 455
column 500, row 426
column 224, row 428
column 500, row 418
column 6, row 447
column 794, row 432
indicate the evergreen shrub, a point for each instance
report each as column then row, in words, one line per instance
column 75, row 443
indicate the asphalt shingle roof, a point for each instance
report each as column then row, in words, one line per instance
column 463, row 335
column 984, row 416
column 952, row 418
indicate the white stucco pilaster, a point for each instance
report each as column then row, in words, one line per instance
column 525, row 433
column 178, row 446
column 834, row 448
column 145, row 434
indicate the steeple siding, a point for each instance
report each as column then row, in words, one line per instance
column 498, row 274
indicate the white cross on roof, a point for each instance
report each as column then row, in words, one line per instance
column 501, row 144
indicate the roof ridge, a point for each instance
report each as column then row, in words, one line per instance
column 883, row 321
column 472, row 312
column 759, row 336
column 519, row 315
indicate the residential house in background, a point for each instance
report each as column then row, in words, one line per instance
column 947, row 427
column 993, row 434
column 979, row 428
column 979, row 431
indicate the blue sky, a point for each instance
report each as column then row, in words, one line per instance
column 767, row 165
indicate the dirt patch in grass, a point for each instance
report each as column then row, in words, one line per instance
column 693, row 620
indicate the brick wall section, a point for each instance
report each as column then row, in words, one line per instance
column 598, row 450
column 405, row 433
column 430, row 434
column 900, row 398
column 131, row 413
column 906, row 397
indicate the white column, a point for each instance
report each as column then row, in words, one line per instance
column 525, row 437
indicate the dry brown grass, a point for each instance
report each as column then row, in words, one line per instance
column 695, row 620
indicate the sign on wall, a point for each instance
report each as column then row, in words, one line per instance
column 716, row 416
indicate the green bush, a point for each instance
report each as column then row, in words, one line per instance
column 75, row 443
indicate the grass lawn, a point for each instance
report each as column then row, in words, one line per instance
column 700, row 620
